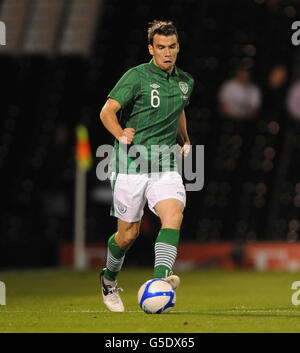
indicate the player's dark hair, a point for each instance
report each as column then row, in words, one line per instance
column 165, row 28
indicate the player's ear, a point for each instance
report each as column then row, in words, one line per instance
column 150, row 48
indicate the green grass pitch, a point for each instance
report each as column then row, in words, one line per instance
column 207, row 301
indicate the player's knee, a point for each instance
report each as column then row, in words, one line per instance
column 174, row 218
column 178, row 216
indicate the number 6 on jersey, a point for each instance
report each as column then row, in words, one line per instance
column 155, row 100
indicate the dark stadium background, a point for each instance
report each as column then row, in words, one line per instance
column 44, row 96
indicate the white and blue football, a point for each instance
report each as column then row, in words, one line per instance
column 156, row 296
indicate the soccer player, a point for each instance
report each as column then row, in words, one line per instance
column 150, row 99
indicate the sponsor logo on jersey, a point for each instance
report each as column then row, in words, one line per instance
column 122, row 208
column 155, row 85
column 184, row 87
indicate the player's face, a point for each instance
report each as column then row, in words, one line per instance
column 164, row 51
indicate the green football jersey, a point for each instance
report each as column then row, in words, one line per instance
column 152, row 101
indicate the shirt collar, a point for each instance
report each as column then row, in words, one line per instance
column 162, row 72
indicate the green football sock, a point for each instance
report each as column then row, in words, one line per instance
column 114, row 260
column 165, row 252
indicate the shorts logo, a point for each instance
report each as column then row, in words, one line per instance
column 155, row 85
column 180, row 193
column 122, row 208
column 184, row 87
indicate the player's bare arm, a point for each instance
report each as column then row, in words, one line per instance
column 108, row 116
column 182, row 135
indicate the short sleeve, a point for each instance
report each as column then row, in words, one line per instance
column 126, row 88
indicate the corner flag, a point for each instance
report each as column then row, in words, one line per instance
column 83, row 149
column 84, row 163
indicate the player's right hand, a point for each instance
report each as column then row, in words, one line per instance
column 127, row 136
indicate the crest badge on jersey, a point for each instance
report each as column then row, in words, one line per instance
column 184, row 87
column 155, row 85
column 122, row 208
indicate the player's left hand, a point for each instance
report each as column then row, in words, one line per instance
column 185, row 149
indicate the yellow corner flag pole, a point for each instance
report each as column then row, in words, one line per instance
column 84, row 163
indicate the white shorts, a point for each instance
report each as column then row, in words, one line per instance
column 131, row 191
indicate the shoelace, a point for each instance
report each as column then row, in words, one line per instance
column 114, row 292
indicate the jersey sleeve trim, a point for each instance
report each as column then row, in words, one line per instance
column 115, row 98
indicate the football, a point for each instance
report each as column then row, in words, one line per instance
column 156, row 296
